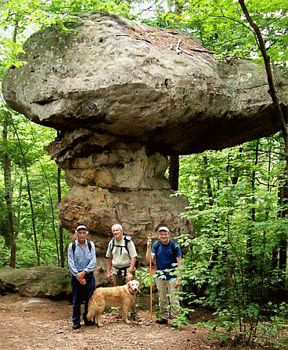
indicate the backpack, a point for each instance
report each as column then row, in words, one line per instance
column 127, row 239
column 74, row 246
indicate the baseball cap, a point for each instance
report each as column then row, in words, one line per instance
column 81, row 227
column 163, row 228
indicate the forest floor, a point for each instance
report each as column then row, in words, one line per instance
column 36, row 323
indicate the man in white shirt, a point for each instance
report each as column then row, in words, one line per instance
column 122, row 256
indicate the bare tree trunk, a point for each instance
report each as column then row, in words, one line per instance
column 52, row 213
column 215, row 253
column 29, row 196
column 283, row 199
column 10, row 238
column 19, row 200
column 62, row 256
column 251, row 257
column 178, row 8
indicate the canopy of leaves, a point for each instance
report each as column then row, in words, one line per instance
column 222, row 27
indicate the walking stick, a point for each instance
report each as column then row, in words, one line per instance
column 151, row 285
column 151, row 290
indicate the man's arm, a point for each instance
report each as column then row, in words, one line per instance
column 109, row 266
column 71, row 262
column 132, row 264
column 131, row 269
column 179, row 262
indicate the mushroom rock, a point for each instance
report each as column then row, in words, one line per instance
column 124, row 97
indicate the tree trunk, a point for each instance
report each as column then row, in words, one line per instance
column 29, row 196
column 62, row 256
column 215, row 253
column 283, row 199
column 52, row 213
column 10, row 238
column 251, row 257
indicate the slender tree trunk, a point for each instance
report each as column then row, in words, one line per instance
column 215, row 252
column 283, row 199
column 52, row 213
column 282, row 250
column 17, row 226
column 251, row 258
column 178, row 8
column 62, row 256
column 29, row 196
column 10, row 238
column 208, row 183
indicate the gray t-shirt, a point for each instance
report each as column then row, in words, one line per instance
column 119, row 255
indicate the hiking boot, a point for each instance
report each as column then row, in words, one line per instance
column 135, row 317
column 76, row 326
column 162, row 321
column 89, row 323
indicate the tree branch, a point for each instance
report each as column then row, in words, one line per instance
column 271, row 91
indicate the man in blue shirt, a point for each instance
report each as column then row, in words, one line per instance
column 81, row 262
column 168, row 256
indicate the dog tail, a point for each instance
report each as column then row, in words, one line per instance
column 91, row 311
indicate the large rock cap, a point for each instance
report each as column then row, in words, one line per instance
column 148, row 85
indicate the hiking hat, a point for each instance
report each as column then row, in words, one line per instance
column 81, row 227
column 163, row 228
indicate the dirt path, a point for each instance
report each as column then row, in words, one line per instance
column 33, row 323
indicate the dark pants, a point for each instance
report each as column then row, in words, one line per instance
column 81, row 294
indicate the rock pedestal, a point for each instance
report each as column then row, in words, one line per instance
column 121, row 183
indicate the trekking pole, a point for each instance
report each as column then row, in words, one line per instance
column 151, row 286
column 151, row 290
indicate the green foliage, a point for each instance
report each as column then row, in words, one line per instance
column 29, row 141
column 231, row 265
column 222, row 28
column 19, row 19
column 143, row 276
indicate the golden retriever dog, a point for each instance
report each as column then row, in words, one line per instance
column 122, row 296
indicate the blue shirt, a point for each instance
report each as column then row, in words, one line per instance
column 166, row 258
column 81, row 259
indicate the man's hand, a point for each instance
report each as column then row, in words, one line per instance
column 149, row 242
column 80, row 277
column 129, row 277
column 83, row 281
column 109, row 276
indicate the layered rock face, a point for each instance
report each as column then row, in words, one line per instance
column 116, row 182
column 124, row 97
